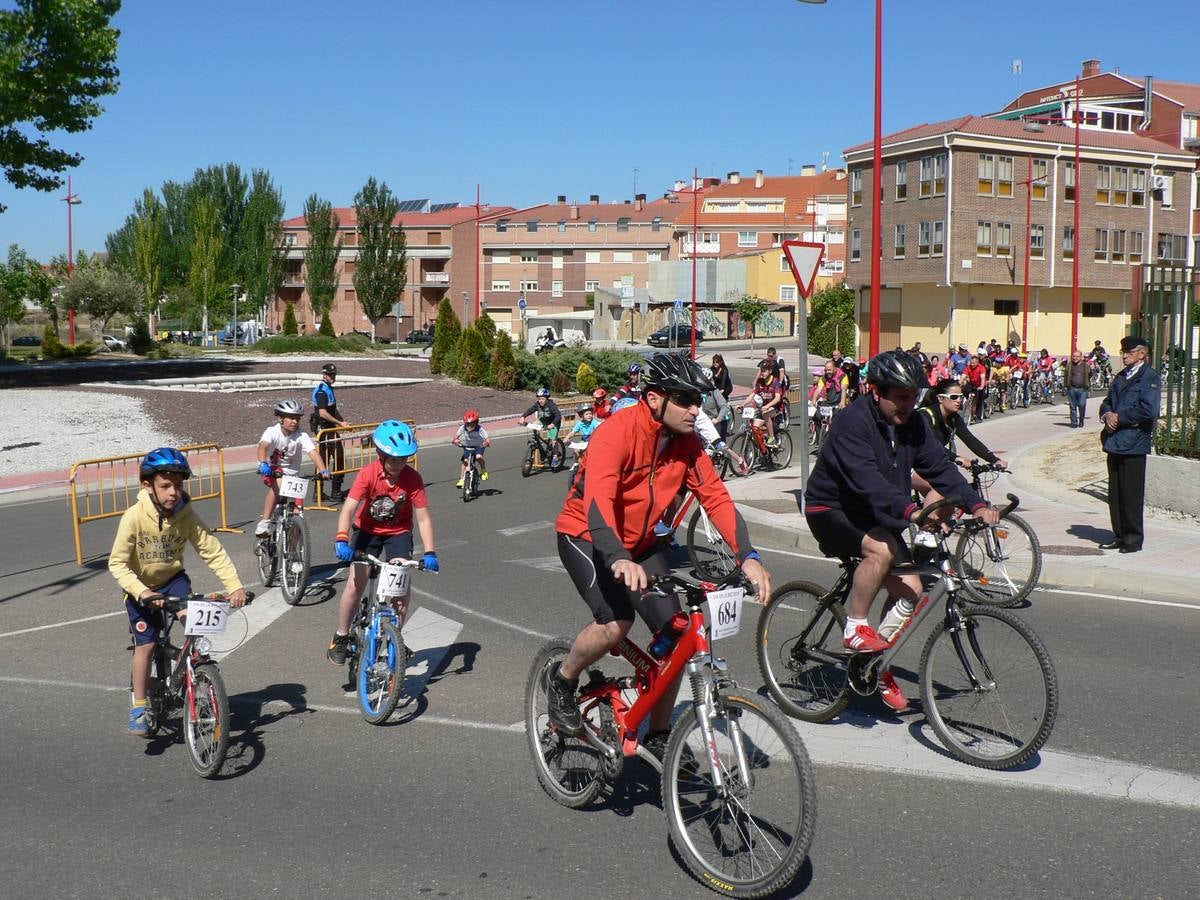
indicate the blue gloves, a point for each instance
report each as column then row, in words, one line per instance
column 431, row 562
column 325, row 474
column 343, row 551
column 265, row 469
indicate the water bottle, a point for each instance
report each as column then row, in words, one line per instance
column 664, row 641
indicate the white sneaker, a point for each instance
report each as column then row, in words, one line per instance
column 263, row 528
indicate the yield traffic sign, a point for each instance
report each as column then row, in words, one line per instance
column 804, row 259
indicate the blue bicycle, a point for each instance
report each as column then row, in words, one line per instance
column 378, row 657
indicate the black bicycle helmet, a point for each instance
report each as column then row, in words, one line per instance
column 329, row 369
column 895, row 368
column 671, row 372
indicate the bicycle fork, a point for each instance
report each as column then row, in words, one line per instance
column 704, row 702
column 956, row 630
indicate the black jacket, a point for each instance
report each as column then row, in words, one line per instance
column 947, row 429
column 1136, row 401
column 723, row 382
column 862, row 473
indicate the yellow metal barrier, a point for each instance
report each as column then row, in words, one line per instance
column 104, row 488
column 357, row 451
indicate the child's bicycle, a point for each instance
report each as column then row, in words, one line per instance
column 541, row 453
column 286, row 548
column 988, row 687
column 377, row 656
column 737, row 786
column 472, row 478
column 751, row 443
column 186, row 680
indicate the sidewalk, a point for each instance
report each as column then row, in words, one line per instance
column 1063, row 496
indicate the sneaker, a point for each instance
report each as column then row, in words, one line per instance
column 891, row 695
column 895, row 620
column 865, row 640
column 562, row 706
column 772, row 442
column 139, row 720
column 483, row 476
column 554, row 461
column 339, row 649
column 662, row 529
column 263, row 528
column 458, row 483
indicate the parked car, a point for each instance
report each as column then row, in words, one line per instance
column 674, row 335
column 420, row 336
column 114, row 343
column 27, row 340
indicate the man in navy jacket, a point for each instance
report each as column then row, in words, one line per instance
column 1128, row 414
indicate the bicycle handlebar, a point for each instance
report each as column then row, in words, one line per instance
column 956, row 501
column 175, row 604
column 363, row 557
column 691, row 588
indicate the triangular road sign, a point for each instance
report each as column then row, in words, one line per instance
column 804, row 258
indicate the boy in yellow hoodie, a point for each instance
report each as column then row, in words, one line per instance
column 147, row 561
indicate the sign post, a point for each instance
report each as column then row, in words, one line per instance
column 804, row 259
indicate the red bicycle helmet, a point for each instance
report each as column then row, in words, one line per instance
column 470, row 416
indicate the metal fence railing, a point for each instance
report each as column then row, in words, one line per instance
column 1169, row 319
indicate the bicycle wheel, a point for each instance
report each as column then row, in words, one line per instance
column 296, row 553
column 748, row 834
column 264, row 549
column 206, row 721
column 468, row 484
column 800, row 651
column 999, row 565
column 743, row 445
column 568, row 769
column 381, row 672
column 989, row 688
column 530, row 460
column 707, row 549
column 780, row 457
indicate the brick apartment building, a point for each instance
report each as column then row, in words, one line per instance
column 954, row 226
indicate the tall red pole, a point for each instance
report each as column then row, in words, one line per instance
column 71, row 200
column 1028, row 250
column 478, row 212
column 695, row 247
column 1075, row 259
column 876, row 179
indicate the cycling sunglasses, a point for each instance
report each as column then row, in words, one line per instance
column 957, row 397
column 686, row 399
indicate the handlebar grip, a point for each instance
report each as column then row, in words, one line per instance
column 954, row 500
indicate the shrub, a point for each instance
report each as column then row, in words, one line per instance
column 585, row 379
column 445, row 339
column 141, row 341
column 289, row 320
column 608, row 366
column 53, row 348
column 473, row 363
column 487, row 331
column 504, row 364
column 326, row 328
column 560, row 383
column 314, row 343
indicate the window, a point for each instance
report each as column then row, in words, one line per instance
column 529, row 286
column 939, row 175
column 1004, row 307
column 590, row 286
column 347, row 267
column 832, row 267
column 498, row 285
column 983, row 239
column 350, row 239
column 618, row 284
column 834, row 235
column 656, row 223
column 1004, row 176
column 531, row 226
column 787, row 293
column 855, row 245
column 1137, row 240
column 939, row 238
column 1068, row 242
column 1116, row 243
column 562, row 226
column 289, row 240
column 856, row 187
column 435, row 238
column 623, row 223
column 500, row 257
column 556, row 261
column 350, row 296
column 1004, row 238
column 556, row 289
column 783, row 263
column 901, row 180
column 622, row 256
column 1104, row 184
column 1041, row 177
column 1172, row 247
column 747, row 238
column 1121, row 186
column 653, row 256
column 987, row 174
column 1037, row 241
column 1101, row 253
column 501, row 225
column 1069, row 182
column 592, row 225
column 926, row 176
column 899, row 241
column 591, row 256
column 1137, row 193
column 529, row 256
column 1093, row 310
column 924, row 235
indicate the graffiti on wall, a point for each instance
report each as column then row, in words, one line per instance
column 710, row 323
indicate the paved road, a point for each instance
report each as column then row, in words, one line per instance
column 444, row 802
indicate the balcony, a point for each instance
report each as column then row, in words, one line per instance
column 436, row 279
column 702, row 247
column 293, row 279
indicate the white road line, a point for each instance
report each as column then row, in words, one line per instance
column 521, row 529
column 542, row 563
column 428, row 637
column 47, row 682
column 1053, row 590
column 484, row 616
column 266, row 608
column 110, row 615
column 797, row 555
column 427, row 719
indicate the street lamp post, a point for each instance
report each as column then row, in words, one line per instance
column 1029, row 182
column 72, row 199
column 695, row 192
column 236, row 288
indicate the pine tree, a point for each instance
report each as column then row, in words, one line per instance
column 487, row 330
column 504, row 363
column 289, row 320
column 472, row 357
column 445, row 337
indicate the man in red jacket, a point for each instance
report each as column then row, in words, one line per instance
column 635, row 466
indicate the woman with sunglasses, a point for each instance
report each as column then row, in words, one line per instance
column 942, row 407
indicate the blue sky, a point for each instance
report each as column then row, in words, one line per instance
column 537, row 99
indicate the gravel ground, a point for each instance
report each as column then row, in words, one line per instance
column 86, row 422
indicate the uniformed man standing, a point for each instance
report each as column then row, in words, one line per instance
column 325, row 415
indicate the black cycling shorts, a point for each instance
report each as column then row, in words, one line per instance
column 839, row 537
column 382, row 546
column 609, row 599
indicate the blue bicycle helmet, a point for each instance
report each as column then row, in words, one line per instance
column 164, row 459
column 543, row 392
column 395, row 438
column 633, row 369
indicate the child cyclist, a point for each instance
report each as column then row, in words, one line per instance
column 546, row 412
column 386, row 497
column 147, row 561
column 472, row 436
column 279, row 448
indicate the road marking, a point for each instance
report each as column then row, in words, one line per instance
column 266, row 608
column 79, row 685
column 110, row 615
column 484, row 616
column 797, row 555
column 521, row 529
column 428, row 637
column 543, row 563
column 1053, row 590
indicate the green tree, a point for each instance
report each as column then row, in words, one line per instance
column 260, row 258
column 831, row 323
column 321, row 256
column 751, row 310
column 103, row 293
column 148, row 243
column 504, row 363
column 14, row 287
column 56, row 60
column 43, row 289
column 486, row 326
column 204, row 253
column 381, row 272
column 289, row 319
column 473, row 362
column 585, row 379
column 445, row 337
